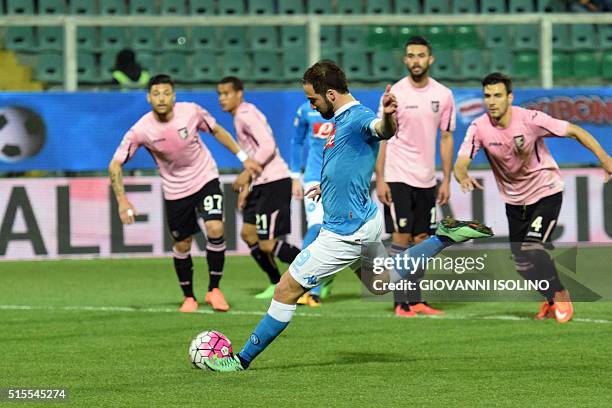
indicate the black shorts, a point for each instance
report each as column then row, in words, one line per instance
column 413, row 210
column 269, row 208
column 183, row 214
column 535, row 222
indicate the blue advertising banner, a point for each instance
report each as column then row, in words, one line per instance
column 80, row 131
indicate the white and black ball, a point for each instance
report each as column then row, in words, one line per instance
column 22, row 133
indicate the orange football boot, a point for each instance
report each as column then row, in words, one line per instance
column 189, row 305
column 216, row 299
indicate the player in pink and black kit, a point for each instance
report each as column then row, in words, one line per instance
column 528, row 180
column 190, row 180
column 265, row 199
column 406, row 165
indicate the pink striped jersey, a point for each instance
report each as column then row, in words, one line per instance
column 524, row 169
column 255, row 137
column 411, row 153
column 185, row 163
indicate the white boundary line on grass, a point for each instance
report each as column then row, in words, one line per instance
column 127, row 309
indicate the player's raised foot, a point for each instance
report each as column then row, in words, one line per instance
column 404, row 311
column 303, row 300
column 224, row 364
column 268, row 293
column 309, row 299
column 216, row 299
column 190, row 305
column 547, row 311
column 424, row 309
column 564, row 310
column 461, row 231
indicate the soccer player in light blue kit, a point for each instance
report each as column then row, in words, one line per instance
column 351, row 219
column 311, row 132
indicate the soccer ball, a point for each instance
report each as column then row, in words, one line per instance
column 22, row 133
column 208, row 344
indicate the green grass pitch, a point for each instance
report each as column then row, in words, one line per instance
column 108, row 331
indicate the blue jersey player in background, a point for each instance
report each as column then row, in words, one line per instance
column 351, row 220
column 311, row 133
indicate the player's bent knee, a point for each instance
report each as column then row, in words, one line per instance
column 214, row 229
column 288, row 290
column 249, row 234
column 420, row 237
column 267, row 245
column 182, row 247
column 402, row 239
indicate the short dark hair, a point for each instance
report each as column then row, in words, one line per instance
column 235, row 81
column 160, row 79
column 498, row 78
column 418, row 40
column 326, row 75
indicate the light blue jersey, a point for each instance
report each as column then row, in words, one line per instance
column 312, row 129
column 348, row 162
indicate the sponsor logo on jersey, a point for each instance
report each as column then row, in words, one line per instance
column 183, row 133
column 322, row 130
column 330, row 140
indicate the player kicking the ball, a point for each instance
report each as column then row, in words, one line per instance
column 351, row 218
column 528, row 180
column 190, row 180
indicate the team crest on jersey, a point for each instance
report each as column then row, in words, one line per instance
column 183, row 133
column 435, row 106
column 519, row 141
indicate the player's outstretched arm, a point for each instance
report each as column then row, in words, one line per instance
column 388, row 125
column 460, row 171
column 588, row 141
column 127, row 212
column 224, row 137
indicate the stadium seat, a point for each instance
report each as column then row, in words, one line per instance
column 319, row 7
column 293, row 36
column 381, row 38
column 113, row 38
column 49, row 68
column 440, row 37
column 174, row 64
column 404, row 33
column 349, row 7
column 586, row 65
column 498, row 35
column 112, row 7
column 50, row 38
column 329, row 37
column 142, row 8
column 107, row 63
column 526, row 65
column 605, row 36
column 356, row 66
column 174, row 38
column 436, row 7
column 353, row 36
column 204, row 38
column 561, row 37
column 233, row 38
column 291, row 7
column 173, row 7
column 294, row 63
column 51, row 7
column 444, row 65
column 143, row 38
column 583, row 37
column 408, row 7
column 87, row 38
column 562, row 65
column 466, row 36
column 83, row 7
column 502, row 60
column 472, row 65
column 261, row 7
column 606, row 65
column 236, row 63
column 205, row 67
column 202, row 8
column 266, row 66
column 378, row 7
column 19, row 7
column 263, row 37
column 465, row 7
column 551, row 6
column 492, row 6
column 231, row 7
column 147, row 61
column 87, row 68
column 527, row 37
column 521, row 6
column 385, row 65
column 330, row 54
column 19, row 38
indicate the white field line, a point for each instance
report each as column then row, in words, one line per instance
column 127, row 309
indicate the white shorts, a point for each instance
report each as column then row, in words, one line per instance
column 331, row 252
column 314, row 209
